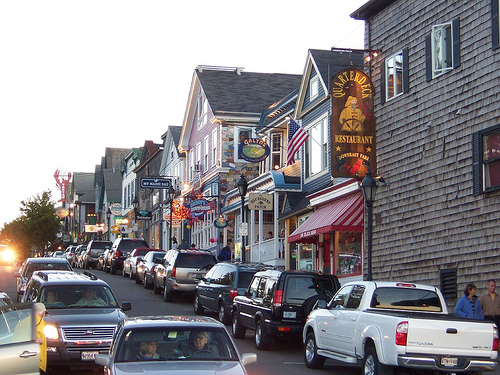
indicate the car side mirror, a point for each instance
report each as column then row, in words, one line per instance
column 126, row 306
column 140, row 259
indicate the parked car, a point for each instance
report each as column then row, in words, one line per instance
column 92, row 252
column 120, row 250
column 173, row 355
column 83, row 314
column 130, row 263
column 177, row 273
column 79, row 253
column 19, row 352
column 70, row 253
column 101, row 260
column 398, row 327
column 58, row 254
column 34, row 264
column 146, row 267
column 221, row 284
column 276, row 304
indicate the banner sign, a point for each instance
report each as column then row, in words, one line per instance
column 199, row 207
column 156, row 183
column 260, row 202
column 352, row 124
column 143, row 215
column 253, row 150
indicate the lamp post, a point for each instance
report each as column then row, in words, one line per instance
column 369, row 188
column 108, row 216
column 242, row 188
column 135, row 204
column 171, row 195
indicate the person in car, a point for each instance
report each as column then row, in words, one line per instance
column 147, row 351
column 51, row 300
column 198, row 342
column 90, row 298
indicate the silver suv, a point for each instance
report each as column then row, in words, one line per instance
column 180, row 271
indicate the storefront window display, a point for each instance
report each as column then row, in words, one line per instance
column 305, row 256
column 349, row 254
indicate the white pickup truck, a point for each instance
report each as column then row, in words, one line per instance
column 389, row 325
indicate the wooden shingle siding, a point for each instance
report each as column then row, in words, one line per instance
column 428, row 218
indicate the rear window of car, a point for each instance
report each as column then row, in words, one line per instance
column 194, row 260
column 96, row 252
column 300, row 288
column 142, row 252
column 100, row 245
column 244, row 279
column 131, row 245
column 406, row 299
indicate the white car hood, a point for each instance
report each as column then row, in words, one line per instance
column 179, row 368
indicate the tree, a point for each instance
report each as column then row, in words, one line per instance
column 37, row 226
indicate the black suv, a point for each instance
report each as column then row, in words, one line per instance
column 276, row 304
column 221, row 284
column 82, row 315
column 94, row 249
column 120, row 250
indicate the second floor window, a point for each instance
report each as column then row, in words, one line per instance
column 317, row 148
column 443, row 49
column 276, row 147
column 205, row 153
column 240, row 134
column 394, row 75
column 214, row 147
column 486, row 160
column 202, row 110
column 313, row 90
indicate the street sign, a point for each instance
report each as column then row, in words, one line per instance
column 244, row 229
column 156, row 183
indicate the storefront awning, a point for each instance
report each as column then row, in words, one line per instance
column 345, row 214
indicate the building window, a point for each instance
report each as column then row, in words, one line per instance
column 316, row 150
column 348, row 261
column 443, row 49
column 394, row 75
column 313, row 88
column 276, row 147
column 202, row 110
column 205, row 153
column 486, row 160
column 495, row 24
column 197, row 167
column 240, row 134
column 214, row 147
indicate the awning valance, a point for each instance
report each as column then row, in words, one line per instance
column 345, row 214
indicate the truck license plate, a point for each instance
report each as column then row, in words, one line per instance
column 289, row 314
column 88, row 356
column 449, row 361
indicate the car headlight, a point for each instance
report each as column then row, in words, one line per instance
column 51, row 332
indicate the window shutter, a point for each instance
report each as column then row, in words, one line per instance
column 383, row 99
column 406, row 71
column 428, row 58
column 495, row 27
column 448, row 278
column 455, row 29
column 476, row 164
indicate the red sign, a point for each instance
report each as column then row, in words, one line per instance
column 352, row 124
column 62, row 184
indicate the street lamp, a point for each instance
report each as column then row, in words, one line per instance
column 171, row 196
column 242, row 188
column 135, row 204
column 369, row 188
column 108, row 216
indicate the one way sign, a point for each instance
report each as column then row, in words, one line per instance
column 156, row 183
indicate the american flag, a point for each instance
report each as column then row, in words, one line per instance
column 296, row 138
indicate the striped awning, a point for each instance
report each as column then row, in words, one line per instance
column 344, row 214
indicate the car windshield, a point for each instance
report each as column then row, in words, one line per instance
column 32, row 267
column 302, row 288
column 77, row 296
column 176, row 344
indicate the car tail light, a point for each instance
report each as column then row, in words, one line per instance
column 233, row 293
column 117, row 254
column 153, row 268
column 278, row 298
column 172, row 273
column 401, row 333
column 495, row 339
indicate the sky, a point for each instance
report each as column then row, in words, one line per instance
column 79, row 76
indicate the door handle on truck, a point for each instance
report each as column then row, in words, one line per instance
column 453, row 331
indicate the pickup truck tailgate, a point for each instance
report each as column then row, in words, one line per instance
column 450, row 337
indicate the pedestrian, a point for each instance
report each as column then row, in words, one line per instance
column 225, row 252
column 183, row 245
column 193, row 246
column 174, row 242
column 269, row 235
column 490, row 303
column 468, row 305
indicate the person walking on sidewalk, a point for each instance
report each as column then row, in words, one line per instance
column 490, row 303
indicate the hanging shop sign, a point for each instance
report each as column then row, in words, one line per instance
column 221, row 222
column 199, row 207
column 156, row 183
column 352, row 124
column 143, row 215
column 260, row 202
column 253, row 150
column 62, row 213
column 116, row 209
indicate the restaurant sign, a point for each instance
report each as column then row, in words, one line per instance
column 253, row 150
column 352, row 124
column 262, row 202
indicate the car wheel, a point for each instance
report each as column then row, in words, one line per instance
column 261, row 338
column 311, row 357
column 131, row 275
column 156, row 288
column 112, row 269
column 167, row 296
column 238, row 329
column 371, row 365
column 137, row 279
column 223, row 316
column 145, row 282
column 197, row 307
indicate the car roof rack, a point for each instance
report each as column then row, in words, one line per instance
column 90, row 274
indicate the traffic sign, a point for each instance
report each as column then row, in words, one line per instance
column 156, row 183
